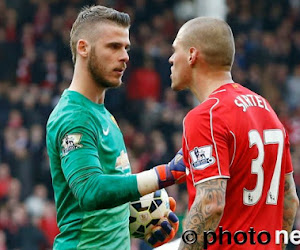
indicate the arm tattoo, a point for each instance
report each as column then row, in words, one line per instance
column 290, row 205
column 206, row 211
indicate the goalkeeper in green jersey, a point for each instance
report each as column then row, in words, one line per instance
column 90, row 169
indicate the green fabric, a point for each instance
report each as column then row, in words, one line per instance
column 90, row 174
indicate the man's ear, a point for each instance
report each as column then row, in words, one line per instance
column 193, row 55
column 82, row 48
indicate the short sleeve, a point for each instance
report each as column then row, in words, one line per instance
column 77, row 146
column 205, row 143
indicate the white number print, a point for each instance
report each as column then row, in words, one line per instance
column 271, row 136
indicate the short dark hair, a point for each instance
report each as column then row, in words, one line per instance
column 90, row 15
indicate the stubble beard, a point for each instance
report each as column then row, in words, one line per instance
column 95, row 70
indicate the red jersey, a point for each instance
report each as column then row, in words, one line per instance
column 235, row 134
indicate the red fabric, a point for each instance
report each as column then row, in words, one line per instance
column 216, row 144
column 23, row 71
column 4, row 187
column 11, row 34
column 49, row 226
column 143, row 84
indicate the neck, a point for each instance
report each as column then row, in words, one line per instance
column 84, row 84
column 208, row 82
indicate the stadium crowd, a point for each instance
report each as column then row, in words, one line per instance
column 36, row 66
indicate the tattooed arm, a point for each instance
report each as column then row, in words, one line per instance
column 291, row 203
column 206, row 211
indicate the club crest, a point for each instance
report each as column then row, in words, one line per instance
column 114, row 120
column 122, row 162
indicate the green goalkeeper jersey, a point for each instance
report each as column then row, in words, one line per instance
column 84, row 143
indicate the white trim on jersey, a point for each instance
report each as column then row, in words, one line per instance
column 212, row 134
column 222, row 90
column 233, row 156
column 212, row 178
column 187, row 147
column 284, row 132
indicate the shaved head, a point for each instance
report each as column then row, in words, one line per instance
column 213, row 37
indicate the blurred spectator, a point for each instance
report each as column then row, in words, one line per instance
column 36, row 203
column 2, row 241
column 24, row 70
column 162, row 65
column 4, row 218
column 11, row 26
column 48, row 222
column 5, row 180
column 295, row 128
column 24, row 234
column 41, row 18
column 144, row 82
column 184, row 10
column 66, row 71
column 13, row 197
column 151, row 115
column 159, row 150
column 45, row 70
column 254, row 78
column 293, row 83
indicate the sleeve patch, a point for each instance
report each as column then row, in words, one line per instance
column 201, row 157
column 71, row 142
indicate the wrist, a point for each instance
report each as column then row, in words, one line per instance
column 147, row 182
column 164, row 175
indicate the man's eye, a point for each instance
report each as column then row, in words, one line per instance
column 115, row 46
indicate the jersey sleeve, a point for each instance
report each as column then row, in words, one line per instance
column 77, row 145
column 205, row 142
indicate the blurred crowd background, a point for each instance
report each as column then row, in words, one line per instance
column 36, row 66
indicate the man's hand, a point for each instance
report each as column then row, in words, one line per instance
column 173, row 172
column 166, row 229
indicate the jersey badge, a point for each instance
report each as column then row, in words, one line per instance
column 235, row 85
column 71, row 142
column 122, row 162
column 202, row 157
column 114, row 120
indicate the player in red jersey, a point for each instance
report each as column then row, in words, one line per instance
column 239, row 170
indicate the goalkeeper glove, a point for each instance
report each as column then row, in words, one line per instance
column 166, row 229
column 173, row 172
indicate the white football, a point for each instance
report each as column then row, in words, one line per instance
column 147, row 211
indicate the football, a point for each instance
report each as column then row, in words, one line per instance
column 147, row 211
